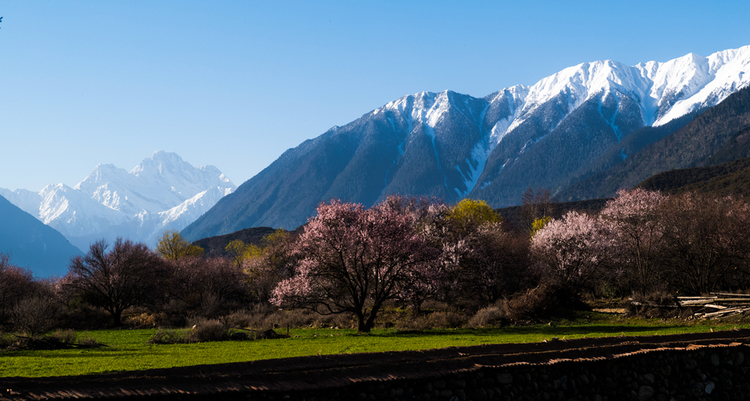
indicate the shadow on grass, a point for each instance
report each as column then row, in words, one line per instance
column 85, row 353
column 547, row 331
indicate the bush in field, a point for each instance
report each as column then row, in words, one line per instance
column 60, row 339
column 489, row 316
column 353, row 261
column 65, row 336
column 209, row 330
column 83, row 316
column 163, row 336
column 655, row 304
column 36, row 314
column 142, row 319
column 433, row 320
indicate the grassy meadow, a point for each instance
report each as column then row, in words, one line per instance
column 127, row 350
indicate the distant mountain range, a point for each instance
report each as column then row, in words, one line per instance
column 162, row 193
column 573, row 126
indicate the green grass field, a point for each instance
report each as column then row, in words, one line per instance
column 130, row 350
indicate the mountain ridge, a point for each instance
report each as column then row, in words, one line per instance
column 32, row 244
column 707, row 136
column 452, row 146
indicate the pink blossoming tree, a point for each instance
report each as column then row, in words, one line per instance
column 634, row 219
column 353, row 260
column 573, row 250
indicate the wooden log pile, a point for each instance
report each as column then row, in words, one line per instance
column 717, row 305
column 714, row 306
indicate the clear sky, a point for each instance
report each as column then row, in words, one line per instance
column 236, row 83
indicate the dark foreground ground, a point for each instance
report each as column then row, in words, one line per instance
column 559, row 370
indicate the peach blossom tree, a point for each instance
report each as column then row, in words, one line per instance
column 574, row 250
column 634, row 219
column 353, row 260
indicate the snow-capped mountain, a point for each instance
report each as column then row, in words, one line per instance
column 453, row 146
column 163, row 192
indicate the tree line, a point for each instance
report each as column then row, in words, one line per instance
column 357, row 261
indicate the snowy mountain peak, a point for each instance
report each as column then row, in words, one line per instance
column 160, row 163
column 665, row 90
column 693, row 82
column 724, row 57
column 113, row 202
column 102, row 173
column 427, row 108
column 153, row 185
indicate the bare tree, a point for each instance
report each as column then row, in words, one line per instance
column 536, row 205
column 15, row 284
column 128, row 275
column 705, row 241
column 200, row 283
column 275, row 262
column 495, row 264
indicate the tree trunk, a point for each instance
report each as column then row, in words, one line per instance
column 361, row 325
column 117, row 317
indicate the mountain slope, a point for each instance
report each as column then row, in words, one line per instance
column 32, row 244
column 720, row 133
column 571, row 125
column 162, row 193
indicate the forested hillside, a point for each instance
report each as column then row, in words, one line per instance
column 711, row 135
column 731, row 178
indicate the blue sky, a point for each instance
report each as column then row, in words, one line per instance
column 236, row 83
